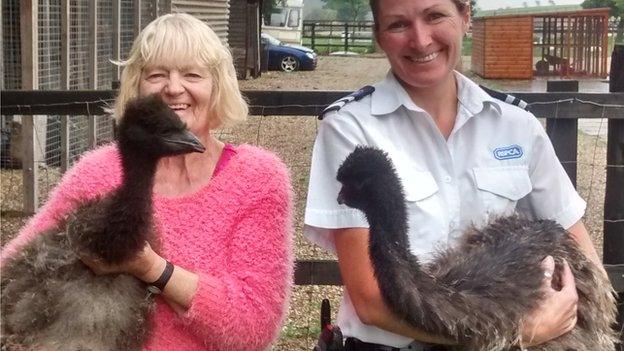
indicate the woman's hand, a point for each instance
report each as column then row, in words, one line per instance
column 144, row 265
column 556, row 314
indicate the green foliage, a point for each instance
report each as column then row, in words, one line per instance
column 473, row 8
column 321, row 15
column 617, row 6
column 269, row 5
column 348, row 10
column 617, row 11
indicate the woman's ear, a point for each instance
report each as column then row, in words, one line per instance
column 466, row 19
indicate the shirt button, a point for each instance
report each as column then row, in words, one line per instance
column 447, row 179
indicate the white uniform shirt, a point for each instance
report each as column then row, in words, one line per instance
column 497, row 159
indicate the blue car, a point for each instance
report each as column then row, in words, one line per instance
column 287, row 57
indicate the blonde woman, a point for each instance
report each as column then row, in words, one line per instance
column 223, row 272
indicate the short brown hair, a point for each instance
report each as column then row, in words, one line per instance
column 462, row 5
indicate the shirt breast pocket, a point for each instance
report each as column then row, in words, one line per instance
column 500, row 188
column 425, row 211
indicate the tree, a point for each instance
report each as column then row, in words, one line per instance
column 348, row 10
column 473, row 8
column 268, row 6
column 617, row 11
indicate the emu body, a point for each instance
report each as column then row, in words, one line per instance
column 478, row 291
column 50, row 299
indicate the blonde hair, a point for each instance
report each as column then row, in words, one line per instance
column 179, row 40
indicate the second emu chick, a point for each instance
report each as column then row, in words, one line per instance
column 477, row 292
column 50, row 299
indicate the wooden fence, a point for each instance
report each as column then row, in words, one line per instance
column 561, row 110
column 330, row 36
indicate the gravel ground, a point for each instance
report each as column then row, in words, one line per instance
column 292, row 138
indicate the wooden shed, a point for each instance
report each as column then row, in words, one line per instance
column 572, row 43
column 244, row 36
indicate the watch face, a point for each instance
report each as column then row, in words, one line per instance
column 153, row 289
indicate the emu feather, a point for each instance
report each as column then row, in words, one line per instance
column 50, row 299
column 477, row 292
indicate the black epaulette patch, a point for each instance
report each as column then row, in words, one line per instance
column 354, row 96
column 510, row 99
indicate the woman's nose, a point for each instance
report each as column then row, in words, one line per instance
column 420, row 36
column 174, row 85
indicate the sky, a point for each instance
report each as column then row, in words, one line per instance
column 496, row 4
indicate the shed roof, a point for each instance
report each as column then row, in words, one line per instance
column 542, row 11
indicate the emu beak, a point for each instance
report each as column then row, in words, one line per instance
column 340, row 198
column 184, row 142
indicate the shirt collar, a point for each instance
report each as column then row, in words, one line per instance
column 472, row 97
column 389, row 95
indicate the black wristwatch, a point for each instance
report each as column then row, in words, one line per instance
column 158, row 286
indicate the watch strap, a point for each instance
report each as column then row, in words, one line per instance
column 158, row 286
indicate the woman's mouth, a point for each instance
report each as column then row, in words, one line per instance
column 178, row 107
column 424, row 58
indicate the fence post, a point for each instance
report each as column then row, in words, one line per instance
column 313, row 35
column 32, row 126
column 346, row 38
column 563, row 132
column 65, row 72
column 613, row 248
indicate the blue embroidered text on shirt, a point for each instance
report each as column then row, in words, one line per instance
column 508, row 152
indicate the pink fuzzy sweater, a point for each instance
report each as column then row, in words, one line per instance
column 235, row 233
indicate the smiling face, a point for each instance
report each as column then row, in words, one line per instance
column 422, row 39
column 186, row 90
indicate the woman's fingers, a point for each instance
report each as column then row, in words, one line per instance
column 548, row 265
column 556, row 313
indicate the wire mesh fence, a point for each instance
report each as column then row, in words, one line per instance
column 11, row 55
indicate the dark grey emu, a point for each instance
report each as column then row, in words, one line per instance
column 477, row 292
column 50, row 299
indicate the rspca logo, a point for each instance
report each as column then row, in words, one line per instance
column 508, row 152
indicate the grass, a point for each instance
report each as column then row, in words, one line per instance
column 329, row 45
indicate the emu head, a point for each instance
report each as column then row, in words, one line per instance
column 151, row 128
column 366, row 176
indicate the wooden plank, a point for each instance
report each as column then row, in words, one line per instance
column 562, row 131
column 616, row 275
column 295, row 103
column 327, row 272
column 613, row 251
column 116, row 38
column 137, row 17
column 317, row 272
column 93, row 55
column 65, row 62
column 30, row 80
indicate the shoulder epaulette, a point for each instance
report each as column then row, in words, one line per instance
column 354, row 96
column 510, row 99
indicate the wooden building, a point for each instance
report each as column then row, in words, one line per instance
column 573, row 43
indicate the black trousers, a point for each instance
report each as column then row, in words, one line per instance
column 353, row 344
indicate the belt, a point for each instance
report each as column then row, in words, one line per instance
column 353, row 344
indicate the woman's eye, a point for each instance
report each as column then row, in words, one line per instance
column 435, row 16
column 397, row 25
column 193, row 75
column 155, row 76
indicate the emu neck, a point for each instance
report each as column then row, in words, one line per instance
column 386, row 212
column 135, row 193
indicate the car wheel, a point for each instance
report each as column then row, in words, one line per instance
column 289, row 64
